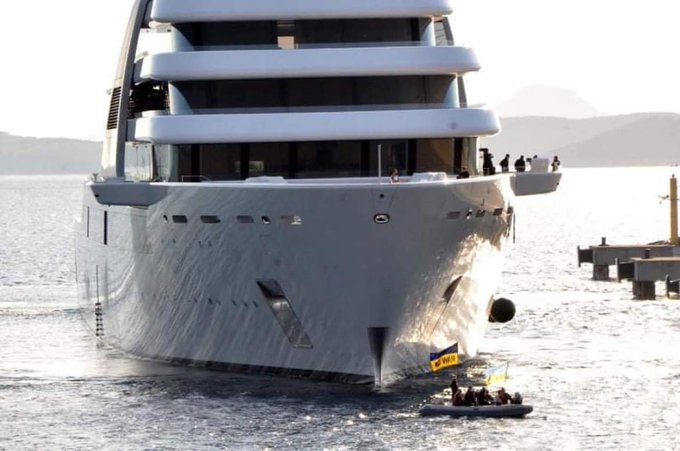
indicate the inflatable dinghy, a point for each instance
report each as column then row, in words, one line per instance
column 504, row 411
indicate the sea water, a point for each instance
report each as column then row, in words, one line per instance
column 601, row 370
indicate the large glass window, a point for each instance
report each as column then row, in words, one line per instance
column 215, row 35
column 138, row 162
column 296, row 34
column 196, row 163
column 162, row 163
column 433, row 155
column 312, row 32
column 320, row 159
column 270, row 159
column 391, row 155
column 316, row 92
column 232, row 94
column 329, row 159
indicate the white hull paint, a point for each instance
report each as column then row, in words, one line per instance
column 188, row 292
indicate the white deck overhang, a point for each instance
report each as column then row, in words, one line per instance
column 314, row 126
column 332, row 62
column 183, row 11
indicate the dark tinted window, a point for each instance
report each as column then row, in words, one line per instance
column 226, row 34
column 329, row 159
column 315, row 92
column 303, row 33
column 195, row 163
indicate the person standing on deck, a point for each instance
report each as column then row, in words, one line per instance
column 505, row 163
column 555, row 164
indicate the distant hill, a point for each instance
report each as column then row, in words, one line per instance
column 647, row 139
column 22, row 155
column 541, row 100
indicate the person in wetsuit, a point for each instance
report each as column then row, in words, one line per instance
column 520, row 164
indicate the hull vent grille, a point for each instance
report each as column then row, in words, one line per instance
column 112, row 121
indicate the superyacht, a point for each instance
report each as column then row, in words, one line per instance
column 281, row 190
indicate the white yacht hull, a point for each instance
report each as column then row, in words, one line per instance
column 189, row 292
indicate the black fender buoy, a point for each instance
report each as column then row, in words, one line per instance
column 502, row 311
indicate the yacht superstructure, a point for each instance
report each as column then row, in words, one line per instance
column 244, row 216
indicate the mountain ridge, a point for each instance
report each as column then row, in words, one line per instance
column 640, row 139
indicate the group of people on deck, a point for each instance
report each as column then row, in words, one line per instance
column 521, row 163
column 481, row 397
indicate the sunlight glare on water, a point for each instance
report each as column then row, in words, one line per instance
column 600, row 369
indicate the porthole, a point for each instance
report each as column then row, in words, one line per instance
column 381, row 218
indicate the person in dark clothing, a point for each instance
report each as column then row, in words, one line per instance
column 470, row 398
column 458, row 398
column 503, row 397
column 454, row 389
column 517, row 399
column 484, row 398
column 505, row 163
column 520, row 164
column 487, row 165
column 555, row 164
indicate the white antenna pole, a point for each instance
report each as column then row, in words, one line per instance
column 380, row 163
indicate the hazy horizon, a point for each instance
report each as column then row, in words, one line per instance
column 67, row 54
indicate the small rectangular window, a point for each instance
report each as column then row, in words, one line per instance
column 291, row 220
column 179, row 219
column 210, row 220
column 498, row 212
column 481, row 213
column 453, row 215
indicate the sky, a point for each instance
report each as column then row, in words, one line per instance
column 59, row 57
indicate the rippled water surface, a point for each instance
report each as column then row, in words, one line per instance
column 601, row 370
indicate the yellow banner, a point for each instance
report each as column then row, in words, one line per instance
column 444, row 361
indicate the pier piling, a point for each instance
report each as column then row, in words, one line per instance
column 672, row 287
column 601, row 272
column 644, row 291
